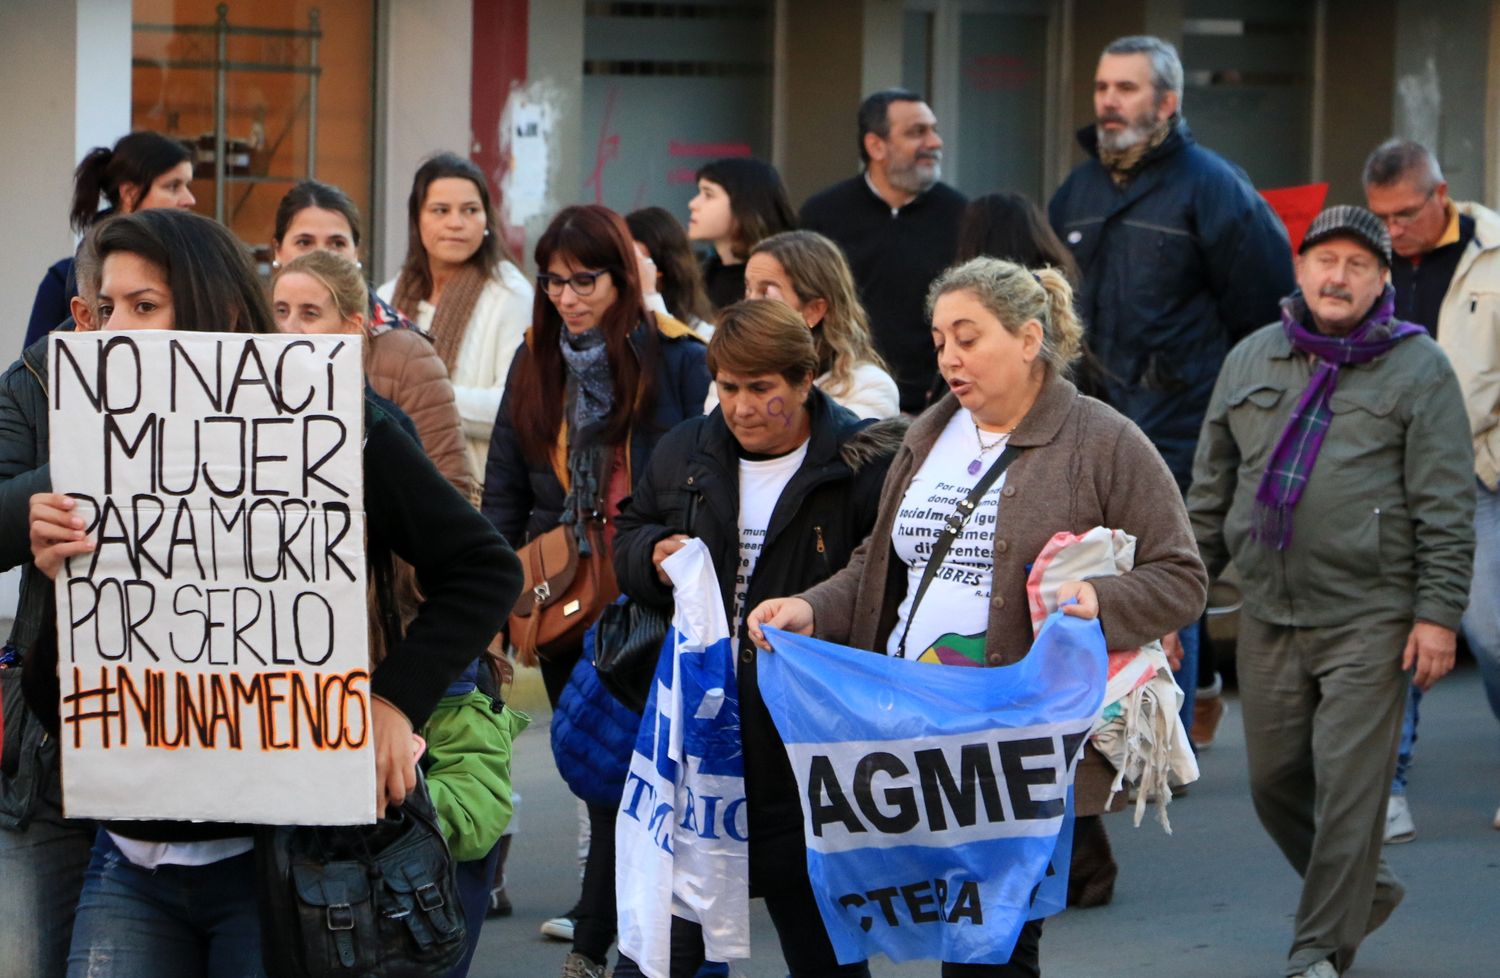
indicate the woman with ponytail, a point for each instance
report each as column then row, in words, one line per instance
column 144, row 170
column 1005, row 338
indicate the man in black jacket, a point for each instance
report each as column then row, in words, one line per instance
column 898, row 225
column 1180, row 256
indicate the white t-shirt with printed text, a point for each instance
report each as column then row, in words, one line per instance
column 761, row 484
column 954, row 613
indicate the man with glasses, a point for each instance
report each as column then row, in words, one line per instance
column 1334, row 469
column 1446, row 271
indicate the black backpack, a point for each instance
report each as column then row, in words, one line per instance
column 372, row 901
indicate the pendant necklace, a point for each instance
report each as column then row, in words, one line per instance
column 984, row 449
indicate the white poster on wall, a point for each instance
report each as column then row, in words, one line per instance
column 212, row 648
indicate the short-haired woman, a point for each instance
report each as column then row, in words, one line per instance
column 461, row 287
column 1005, row 336
column 809, row 273
column 777, row 446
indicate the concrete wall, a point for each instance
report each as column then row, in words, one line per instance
column 422, row 107
column 65, row 72
column 1441, row 62
column 554, row 77
column 823, row 74
column 1359, row 77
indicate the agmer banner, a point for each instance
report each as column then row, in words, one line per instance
column 933, row 796
column 213, row 649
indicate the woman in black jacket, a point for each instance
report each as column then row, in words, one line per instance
column 192, row 909
column 781, row 484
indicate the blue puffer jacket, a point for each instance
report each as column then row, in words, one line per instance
column 593, row 734
column 1178, row 265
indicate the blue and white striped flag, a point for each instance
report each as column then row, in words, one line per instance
column 682, row 831
column 933, row 796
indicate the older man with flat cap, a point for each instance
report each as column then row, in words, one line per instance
column 1335, row 468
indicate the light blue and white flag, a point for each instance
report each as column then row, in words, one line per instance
column 933, row 796
column 682, row 831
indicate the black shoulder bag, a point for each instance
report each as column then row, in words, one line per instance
column 361, row 901
column 952, row 527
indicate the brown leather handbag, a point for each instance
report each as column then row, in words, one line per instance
column 570, row 580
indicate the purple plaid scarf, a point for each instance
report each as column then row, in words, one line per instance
column 1296, row 451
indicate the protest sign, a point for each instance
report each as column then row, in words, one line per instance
column 682, row 831
column 933, row 796
column 213, row 650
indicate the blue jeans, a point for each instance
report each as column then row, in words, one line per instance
column 168, row 922
column 1481, row 623
column 1187, row 676
column 41, row 872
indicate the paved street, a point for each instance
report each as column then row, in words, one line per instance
column 1213, row 899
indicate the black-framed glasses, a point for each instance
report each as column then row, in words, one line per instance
column 583, row 283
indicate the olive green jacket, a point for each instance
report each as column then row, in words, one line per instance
column 1385, row 526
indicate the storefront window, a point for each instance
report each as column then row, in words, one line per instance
column 285, row 86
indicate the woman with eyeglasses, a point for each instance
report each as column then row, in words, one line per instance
column 461, row 286
column 595, row 386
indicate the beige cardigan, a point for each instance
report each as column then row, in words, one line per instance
column 1084, row 465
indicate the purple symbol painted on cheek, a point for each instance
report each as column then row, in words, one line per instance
column 776, row 408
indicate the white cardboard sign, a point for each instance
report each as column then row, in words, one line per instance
column 213, row 649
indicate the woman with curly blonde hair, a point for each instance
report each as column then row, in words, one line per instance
column 809, row 273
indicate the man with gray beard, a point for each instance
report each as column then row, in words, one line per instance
column 898, row 226
column 1180, row 256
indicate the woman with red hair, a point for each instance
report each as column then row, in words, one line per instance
column 596, row 384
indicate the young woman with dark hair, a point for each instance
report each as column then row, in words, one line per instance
column 740, row 201
column 596, row 385
column 315, row 216
column 143, row 170
column 670, row 276
column 179, row 897
column 461, row 286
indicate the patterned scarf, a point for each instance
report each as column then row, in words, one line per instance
column 1122, row 164
column 1296, row 452
column 588, row 377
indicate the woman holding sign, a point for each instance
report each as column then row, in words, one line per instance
column 596, row 384
column 178, row 897
column 781, row 483
column 1005, row 337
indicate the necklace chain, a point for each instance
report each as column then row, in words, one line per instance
column 979, row 437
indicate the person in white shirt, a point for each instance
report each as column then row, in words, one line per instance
column 809, row 273
column 462, row 287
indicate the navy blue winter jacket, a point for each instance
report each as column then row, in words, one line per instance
column 524, row 500
column 1178, row 265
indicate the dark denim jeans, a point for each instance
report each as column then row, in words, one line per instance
column 168, row 922
column 41, row 872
